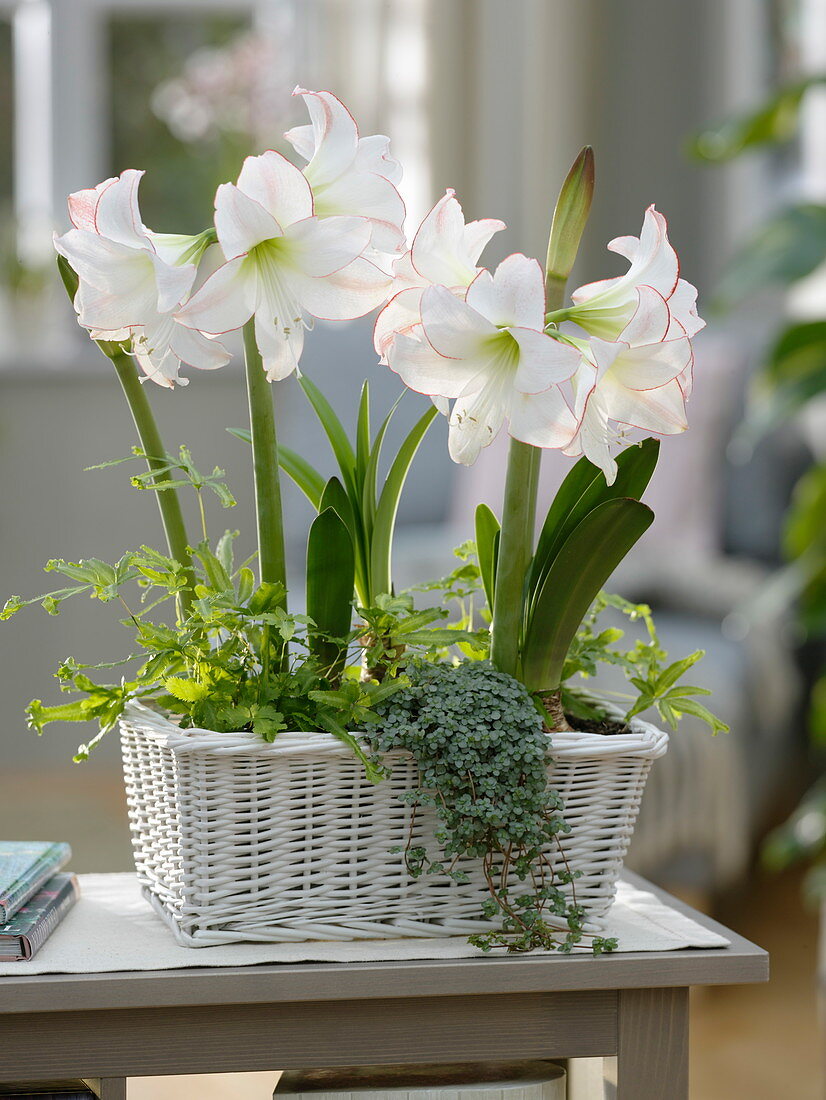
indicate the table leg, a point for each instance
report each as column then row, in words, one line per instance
column 652, row 1048
column 107, row 1088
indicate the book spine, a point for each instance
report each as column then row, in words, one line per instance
column 28, row 885
column 34, row 940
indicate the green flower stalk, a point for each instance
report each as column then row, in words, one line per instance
column 270, row 524
column 169, row 503
column 522, row 480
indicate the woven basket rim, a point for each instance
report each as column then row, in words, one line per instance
column 644, row 739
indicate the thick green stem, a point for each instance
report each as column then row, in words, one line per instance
column 516, row 538
column 270, row 524
column 515, row 551
column 150, row 438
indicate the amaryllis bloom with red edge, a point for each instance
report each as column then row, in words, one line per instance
column 444, row 252
column 630, row 384
column 489, row 355
column 283, row 263
column 127, row 292
column 604, row 308
column 348, row 174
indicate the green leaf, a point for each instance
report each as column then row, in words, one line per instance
column 331, row 568
column 309, row 481
column 363, row 433
column 388, row 505
column 586, row 560
column 375, row 772
column 487, row 531
column 217, row 575
column 584, row 489
column 795, row 372
column 40, row 716
column 786, row 248
column 675, row 671
column 334, row 430
column 772, row 122
column 691, row 706
column 246, row 584
column 371, row 473
column 267, row 597
column 188, row 691
column 335, row 497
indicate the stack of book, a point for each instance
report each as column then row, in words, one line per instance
column 34, row 896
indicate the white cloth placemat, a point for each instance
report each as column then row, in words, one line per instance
column 112, row 927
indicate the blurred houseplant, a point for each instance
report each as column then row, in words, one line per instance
column 277, row 790
column 789, row 248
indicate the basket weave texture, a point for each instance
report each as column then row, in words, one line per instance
column 237, row 840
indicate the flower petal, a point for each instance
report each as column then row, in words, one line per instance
column 651, row 320
column 422, row 369
column 321, row 246
column 683, row 307
column 302, row 140
column 373, row 155
column 83, row 205
column 366, row 195
column 543, row 361
column 107, row 311
column 475, row 421
column 226, row 300
column 439, row 251
column 104, row 263
column 660, row 410
column 335, row 136
column 401, row 314
column 355, row 289
column 194, row 348
column 514, row 295
column 117, row 215
column 280, row 350
column 453, row 328
column 542, row 419
column 241, row 222
column 278, row 186
column 646, row 368
column 173, row 283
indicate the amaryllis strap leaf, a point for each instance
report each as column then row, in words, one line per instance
column 331, row 565
column 583, row 490
column 363, row 433
column 585, row 562
column 388, row 505
column 334, row 430
column 487, row 530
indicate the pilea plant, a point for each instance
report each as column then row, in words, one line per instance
column 483, row 755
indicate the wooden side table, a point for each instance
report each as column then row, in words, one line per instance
column 632, row 1007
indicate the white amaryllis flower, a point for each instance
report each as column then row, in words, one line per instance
column 444, row 252
column 632, row 383
column 349, row 174
column 127, row 291
column 604, row 308
column 283, row 262
column 489, row 354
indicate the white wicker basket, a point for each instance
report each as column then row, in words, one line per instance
column 236, row 839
